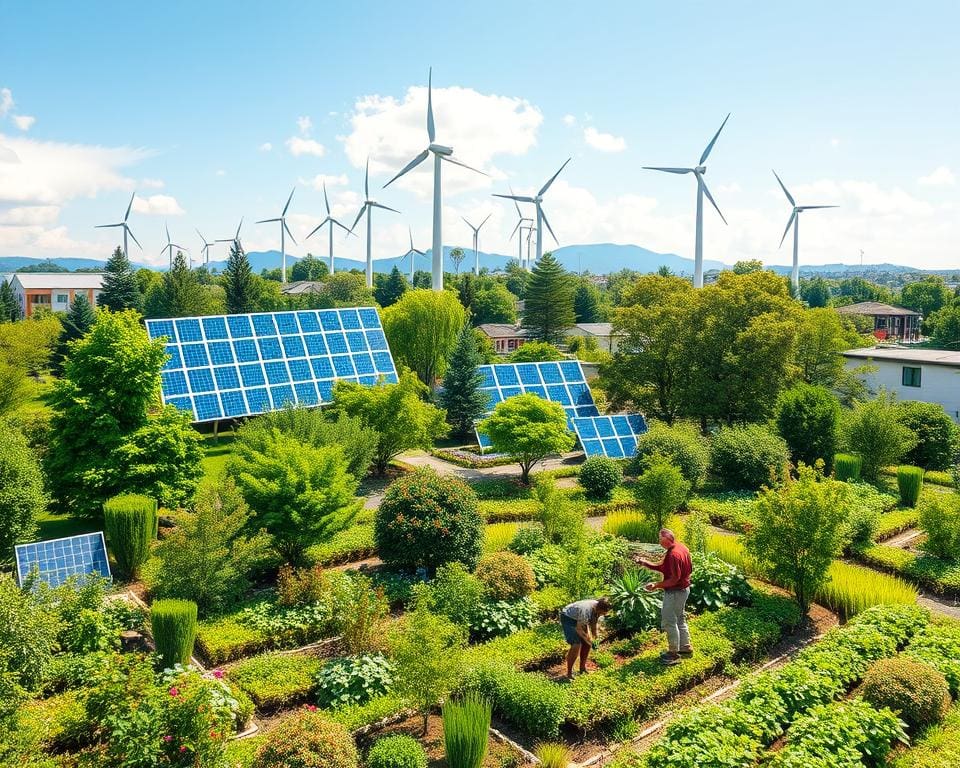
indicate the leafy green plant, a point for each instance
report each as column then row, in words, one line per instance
column 940, row 519
column 935, row 432
column 873, row 430
column 553, row 754
column 498, row 536
column 807, row 418
column 938, row 645
column 353, row 680
column 505, row 576
column 717, row 584
column 681, row 444
column 397, row 751
column 660, row 490
column 910, row 483
column 528, row 539
column 466, row 725
column 174, row 626
column 130, row 521
column 599, row 475
column 274, row 680
column 633, row 526
column 22, row 497
column 501, row 618
column 308, row 739
column 363, row 616
column 634, row 609
column 915, row 691
column 530, row 701
column 847, row 466
column 748, row 457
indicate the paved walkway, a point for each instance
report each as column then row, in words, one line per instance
column 421, row 459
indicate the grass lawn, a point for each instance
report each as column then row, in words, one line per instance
column 216, row 454
column 51, row 526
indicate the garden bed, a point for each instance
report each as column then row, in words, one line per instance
column 470, row 459
column 941, row 577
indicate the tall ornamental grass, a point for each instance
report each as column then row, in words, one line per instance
column 130, row 521
column 851, row 589
column 910, row 483
column 174, row 625
column 497, row 536
column 729, row 548
column 847, row 466
column 466, row 726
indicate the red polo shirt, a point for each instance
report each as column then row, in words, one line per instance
column 676, row 568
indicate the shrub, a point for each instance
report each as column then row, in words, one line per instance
column 716, row 584
column 940, row 518
column 633, row 526
column 935, row 434
column 505, row 576
column 307, row 740
column 427, row 520
column 660, row 490
column 909, row 483
column 276, row 680
column 679, row 443
column 528, row 700
column 553, row 754
column 938, row 645
column 22, row 497
column 363, row 611
column 455, row 593
column 131, row 524
column 634, row 609
column 847, row 466
column 936, row 748
column 916, row 692
column 850, row 589
column 562, row 519
column 599, row 475
column 874, row 431
column 466, row 726
column 353, row 680
column 498, row 536
column 174, row 626
column 748, row 457
column 397, row 751
column 500, row 618
column 807, row 418
column 528, row 539
column 301, row 586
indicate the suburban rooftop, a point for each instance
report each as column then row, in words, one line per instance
column 907, row 355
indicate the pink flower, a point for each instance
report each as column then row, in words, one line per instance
column 174, row 691
column 310, row 707
column 183, row 748
column 168, row 738
column 218, row 674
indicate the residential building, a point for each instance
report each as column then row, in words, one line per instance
column 505, row 337
column 927, row 375
column 54, row 290
column 888, row 322
column 300, row 287
column 601, row 332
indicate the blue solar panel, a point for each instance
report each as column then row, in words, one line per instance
column 612, row 436
column 57, row 560
column 224, row 366
column 561, row 382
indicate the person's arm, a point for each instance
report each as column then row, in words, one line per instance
column 671, row 575
column 583, row 629
column 593, row 627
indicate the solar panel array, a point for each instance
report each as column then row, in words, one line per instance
column 229, row 366
column 57, row 560
column 612, row 436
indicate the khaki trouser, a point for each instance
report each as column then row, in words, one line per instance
column 673, row 621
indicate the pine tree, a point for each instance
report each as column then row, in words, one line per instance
column 548, row 306
column 391, row 289
column 76, row 323
column 461, row 395
column 239, row 283
column 586, row 303
column 179, row 295
column 9, row 306
column 120, row 288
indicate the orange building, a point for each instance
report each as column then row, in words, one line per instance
column 54, row 290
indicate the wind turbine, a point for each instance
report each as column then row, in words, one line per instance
column 476, row 241
column 413, row 253
column 702, row 190
column 170, row 246
column 367, row 208
column 541, row 216
column 794, row 221
column 529, row 230
column 440, row 152
column 126, row 228
column 332, row 222
column 206, row 248
column 284, row 230
column 235, row 240
column 521, row 220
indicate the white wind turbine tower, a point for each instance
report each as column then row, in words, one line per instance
column 170, row 246
column 413, row 253
column 440, row 153
column 521, row 220
column 126, row 228
column 235, row 240
column 284, row 230
column 476, row 242
column 541, row 216
column 367, row 208
column 205, row 251
column 794, row 221
column 332, row 222
column 702, row 190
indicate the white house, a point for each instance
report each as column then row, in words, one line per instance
column 603, row 333
column 928, row 375
column 54, row 290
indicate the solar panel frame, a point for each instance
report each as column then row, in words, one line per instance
column 561, row 382
column 613, row 436
column 231, row 366
column 80, row 555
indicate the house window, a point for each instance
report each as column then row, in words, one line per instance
column 911, row 376
column 40, row 299
column 62, row 298
column 881, row 322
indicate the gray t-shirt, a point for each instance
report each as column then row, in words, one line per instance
column 582, row 611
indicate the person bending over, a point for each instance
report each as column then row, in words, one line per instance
column 579, row 623
column 676, row 569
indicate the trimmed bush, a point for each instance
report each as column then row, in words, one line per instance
column 530, row 701
column 847, row 466
column 466, row 726
column 940, row 518
column 397, row 751
column 748, row 457
column 426, row 520
column 909, row 482
column 307, row 740
column 174, row 626
column 915, row 691
column 807, row 418
column 599, row 475
column 130, row 521
column 505, row 576
column 935, row 432
column 679, row 443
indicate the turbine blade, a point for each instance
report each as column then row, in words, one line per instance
column 103, row 226
column 237, row 238
column 546, row 186
column 386, row 208
column 463, row 165
column 366, row 182
column 288, row 202
column 130, row 232
column 326, row 202
column 314, row 231
column 129, row 206
column 709, row 196
column 363, row 210
column 543, row 216
column 409, row 166
column 706, row 152
column 421, row 253
column 201, row 236
column 290, row 233
column 484, row 221
column 348, row 231
column 521, row 198
column 516, row 204
column 668, row 170
column 466, row 222
column 431, row 128
column 793, row 215
column 789, row 196
column 410, row 230
column 515, row 229
column 167, row 227
column 267, row 221
column 815, row 207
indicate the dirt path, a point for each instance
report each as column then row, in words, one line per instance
column 902, row 539
column 941, row 605
column 421, row 459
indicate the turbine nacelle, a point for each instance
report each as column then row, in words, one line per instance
column 439, row 149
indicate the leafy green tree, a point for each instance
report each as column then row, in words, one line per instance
column 797, row 531
column 517, row 278
column 588, row 303
column 944, row 327
column 936, row 435
column 527, row 428
column 873, row 430
column 28, row 634
column 857, row 289
column 456, row 256
column 76, row 323
column 22, row 497
column 300, row 494
column 120, row 287
column 815, row 292
column 494, row 305
column 348, row 289
column 29, row 344
column 548, row 303
column 536, row 352
column 391, row 288
column 461, row 395
column 397, row 412
column 926, row 295
column 309, row 268
column 239, row 283
column 9, row 306
column 822, row 335
column 422, row 328
column 746, row 266
column 179, row 294
column 422, row 279
column 660, row 491
column 14, row 388
column 808, row 418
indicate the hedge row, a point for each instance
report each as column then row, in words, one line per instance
column 275, row 681
column 931, row 573
column 895, row 522
column 347, row 546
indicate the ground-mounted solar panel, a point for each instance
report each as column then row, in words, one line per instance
column 57, row 560
column 229, row 366
column 561, row 382
column 611, row 436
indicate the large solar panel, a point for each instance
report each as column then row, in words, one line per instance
column 57, row 560
column 612, row 436
column 229, row 366
column 561, row 382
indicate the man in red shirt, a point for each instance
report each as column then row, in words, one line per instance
column 676, row 568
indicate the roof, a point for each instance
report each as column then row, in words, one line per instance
column 875, row 308
column 302, row 286
column 502, row 331
column 596, row 329
column 59, row 280
column 906, row 355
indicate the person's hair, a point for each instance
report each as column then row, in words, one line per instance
column 604, row 605
column 668, row 534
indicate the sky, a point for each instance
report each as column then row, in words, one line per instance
column 212, row 111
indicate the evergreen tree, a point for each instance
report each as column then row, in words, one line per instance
column 815, row 292
column 391, row 288
column 120, row 287
column 586, row 303
column 179, row 295
column 76, row 323
column 9, row 306
column 548, row 308
column 461, row 395
column 239, row 283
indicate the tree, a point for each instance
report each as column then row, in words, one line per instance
column 76, row 323
column 402, row 419
column 529, row 429
column 422, row 279
column 179, row 294
column 9, row 305
column 936, row 434
column 874, row 431
column 391, row 289
column 22, row 497
column 422, row 328
column 821, row 336
column 494, row 305
column 548, row 306
column 746, row 266
column 309, row 268
column 120, row 287
column 14, row 388
column 456, row 256
column 944, row 327
column 461, row 395
column 797, row 531
column 660, row 490
column 517, row 278
column 926, row 295
column 808, row 419
column 588, row 303
column 29, row 344
column 815, row 292
column 536, row 352
column 299, row 493
column 239, row 282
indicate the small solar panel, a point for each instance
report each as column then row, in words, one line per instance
column 611, row 436
column 229, row 366
column 560, row 382
column 57, row 560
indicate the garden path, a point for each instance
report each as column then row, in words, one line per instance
column 421, row 459
column 941, row 605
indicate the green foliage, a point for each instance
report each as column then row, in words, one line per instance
column 807, row 418
column 276, row 680
column 553, row 754
column 926, row 295
column 455, row 593
column 717, row 584
column 120, row 289
column 944, row 326
column 22, row 496
column 307, row 740
column 494, row 305
column 529, row 701
column 599, row 475
column 76, row 323
column 660, row 490
column 174, row 625
column 364, row 616
column 909, row 483
column 351, row 544
column 695, row 528
column 461, row 395
column 917, row 693
column 940, row 518
column 28, row 637
column 874, row 431
column 536, row 352
column 505, row 576
column 9, row 305
column 850, row 589
column 529, row 429
column 178, row 294
column 309, row 268
column 681, row 444
column 562, row 519
column 635, row 609
column 353, row 680
column 130, row 521
column 632, row 526
column 390, row 289
column 548, row 301
column 936, row 747
column 847, row 466
column 748, row 457
column 935, row 433
column 498, row 536
column 528, row 539
column 397, row 751
column 938, row 646
column 466, row 724
column 501, row 618
column 423, row 328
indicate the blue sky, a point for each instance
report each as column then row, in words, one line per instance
column 854, row 104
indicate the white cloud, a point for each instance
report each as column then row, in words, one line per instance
column 569, row 120
column 266, row 146
column 834, row 142
column 299, row 146
column 728, row 189
column 24, row 122
column 604, row 142
column 6, row 101
column 152, row 183
column 940, row 177
column 30, row 215
column 305, row 124
column 221, row 172
column 332, row 181
column 157, row 205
